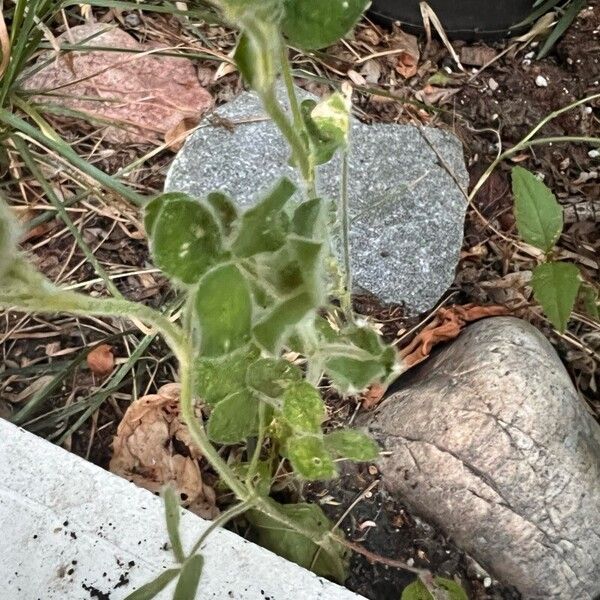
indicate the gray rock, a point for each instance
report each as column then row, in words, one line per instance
column 490, row 441
column 406, row 210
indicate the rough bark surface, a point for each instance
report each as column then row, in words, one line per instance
column 490, row 441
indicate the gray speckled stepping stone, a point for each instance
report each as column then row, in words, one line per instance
column 406, row 210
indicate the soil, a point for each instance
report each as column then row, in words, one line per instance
column 383, row 526
column 503, row 101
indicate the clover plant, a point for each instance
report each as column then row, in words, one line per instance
column 255, row 284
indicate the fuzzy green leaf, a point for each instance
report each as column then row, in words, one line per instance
column 185, row 239
column 555, row 286
column 332, row 558
column 351, row 444
column 264, row 227
column 217, row 378
column 322, row 148
column 308, row 219
column 314, row 24
column 172, row 513
column 234, row 419
column 187, row 586
column 539, row 216
column 225, row 209
column 224, row 311
column 273, row 329
column 152, row 589
column 271, row 376
column 308, row 255
column 303, row 407
column 309, row 457
column 350, row 375
column 332, row 118
column 417, row 590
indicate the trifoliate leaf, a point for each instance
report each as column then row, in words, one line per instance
column 275, row 326
column 272, row 376
column 225, row 209
column 332, row 558
column 314, row 24
column 224, row 311
column 349, row 374
column 234, row 419
column 217, row 378
column 303, row 407
column 185, row 239
column 351, row 444
column 309, row 457
column 264, row 227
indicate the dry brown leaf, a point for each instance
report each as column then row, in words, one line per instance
column 435, row 95
column 407, row 60
column 446, row 325
column 101, row 360
column 372, row 397
column 176, row 136
column 153, row 447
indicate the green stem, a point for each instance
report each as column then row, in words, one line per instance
column 346, row 299
column 253, row 468
column 231, row 513
column 297, row 145
column 40, row 295
column 291, row 89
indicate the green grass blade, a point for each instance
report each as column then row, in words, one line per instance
column 562, row 25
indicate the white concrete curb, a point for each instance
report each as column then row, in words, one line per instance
column 72, row 531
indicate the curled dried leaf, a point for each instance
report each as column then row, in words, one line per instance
column 446, row 325
column 101, row 360
column 153, row 447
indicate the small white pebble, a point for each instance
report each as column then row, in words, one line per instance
column 587, row 110
column 487, row 582
column 493, row 84
column 410, row 562
column 530, row 55
column 541, row 81
column 594, row 153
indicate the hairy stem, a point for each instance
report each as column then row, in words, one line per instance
column 298, row 121
column 224, row 518
column 293, row 138
column 346, row 299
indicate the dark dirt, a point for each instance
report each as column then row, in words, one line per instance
column 383, row 526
